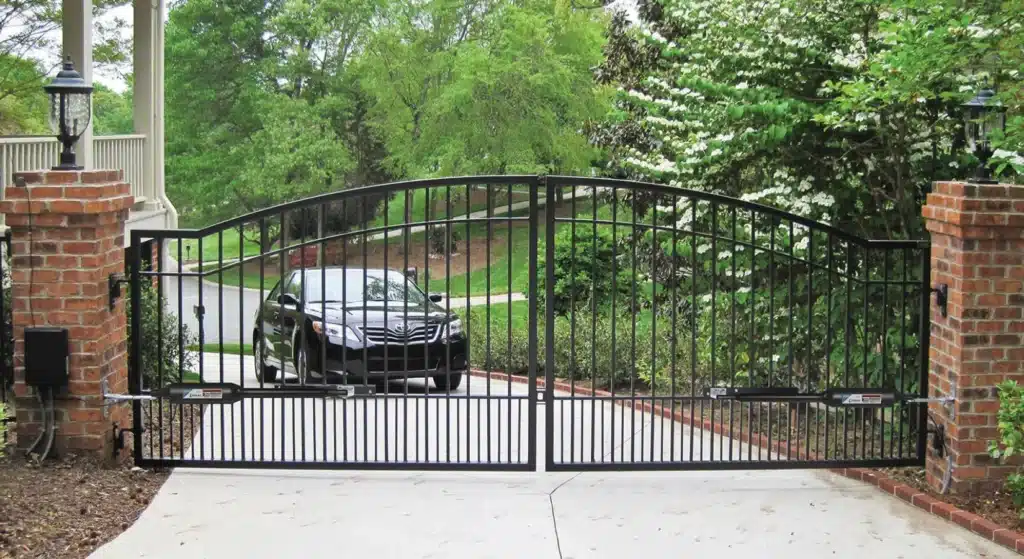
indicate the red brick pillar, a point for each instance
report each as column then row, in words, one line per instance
column 67, row 232
column 977, row 234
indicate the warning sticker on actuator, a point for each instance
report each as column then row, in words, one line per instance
column 862, row 399
column 204, row 394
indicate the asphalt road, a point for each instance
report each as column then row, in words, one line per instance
column 229, row 310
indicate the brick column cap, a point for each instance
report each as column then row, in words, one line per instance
column 68, row 193
column 975, row 211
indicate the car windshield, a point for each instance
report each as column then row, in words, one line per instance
column 348, row 286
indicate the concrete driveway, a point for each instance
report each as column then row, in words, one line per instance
column 276, row 513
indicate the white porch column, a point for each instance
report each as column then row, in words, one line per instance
column 77, row 41
column 143, row 69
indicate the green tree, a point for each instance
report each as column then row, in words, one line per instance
column 111, row 111
column 281, row 112
column 485, row 87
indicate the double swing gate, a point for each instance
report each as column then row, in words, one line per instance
column 425, row 324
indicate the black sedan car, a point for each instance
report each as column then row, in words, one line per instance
column 377, row 325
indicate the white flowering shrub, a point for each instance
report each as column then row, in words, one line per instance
column 843, row 113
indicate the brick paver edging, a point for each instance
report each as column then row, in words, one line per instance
column 981, row 526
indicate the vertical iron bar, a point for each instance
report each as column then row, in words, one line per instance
column 593, row 345
column 693, row 328
column 732, row 332
column 923, row 342
column 903, row 346
column 549, row 328
column 135, row 374
column 615, row 292
column 810, row 350
column 573, row 368
column 675, row 322
column 322, row 261
column 181, row 357
column 771, row 325
column 828, row 331
column 263, row 338
column 632, row 348
column 654, row 332
column 790, row 304
column 846, row 346
column 714, row 314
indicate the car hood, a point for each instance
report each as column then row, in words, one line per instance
column 375, row 313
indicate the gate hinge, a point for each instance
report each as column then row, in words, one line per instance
column 114, row 282
column 941, row 292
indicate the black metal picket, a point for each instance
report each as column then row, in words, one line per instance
column 406, row 325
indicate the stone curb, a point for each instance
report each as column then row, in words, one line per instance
column 987, row 529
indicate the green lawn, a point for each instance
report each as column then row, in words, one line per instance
column 211, row 247
column 500, row 280
column 229, row 348
column 439, row 200
column 250, row 277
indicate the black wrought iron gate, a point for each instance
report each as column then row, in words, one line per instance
column 422, row 325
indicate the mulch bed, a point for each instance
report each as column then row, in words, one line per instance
column 996, row 506
column 71, row 506
column 68, row 508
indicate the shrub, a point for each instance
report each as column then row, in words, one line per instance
column 1011, row 436
column 585, row 262
column 509, row 349
column 166, row 355
column 584, row 350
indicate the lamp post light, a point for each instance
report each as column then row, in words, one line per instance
column 70, row 111
column 983, row 116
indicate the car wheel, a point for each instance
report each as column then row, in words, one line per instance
column 448, row 381
column 263, row 372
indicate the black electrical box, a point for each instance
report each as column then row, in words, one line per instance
column 46, row 357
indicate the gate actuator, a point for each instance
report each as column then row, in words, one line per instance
column 230, row 393
column 834, row 397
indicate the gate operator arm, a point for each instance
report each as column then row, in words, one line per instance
column 835, row 397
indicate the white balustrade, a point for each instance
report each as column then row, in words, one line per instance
column 125, row 152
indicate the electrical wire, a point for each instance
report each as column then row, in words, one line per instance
column 51, row 415
column 42, row 432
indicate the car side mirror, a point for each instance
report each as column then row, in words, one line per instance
column 436, row 297
column 288, row 299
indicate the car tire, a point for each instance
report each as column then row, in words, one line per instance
column 264, row 373
column 448, row 381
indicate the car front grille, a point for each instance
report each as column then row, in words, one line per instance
column 413, row 333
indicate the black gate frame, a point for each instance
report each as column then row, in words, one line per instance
column 552, row 186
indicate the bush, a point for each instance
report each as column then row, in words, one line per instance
column 509, row 349
column 584, row 264
column 584, row 351
column 173, row 334
column 1011, row 436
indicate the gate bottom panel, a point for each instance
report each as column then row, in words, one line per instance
column 628, row 431
column 392, row 430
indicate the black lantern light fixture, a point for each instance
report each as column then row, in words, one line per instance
column 984, row 115
column 70, row 111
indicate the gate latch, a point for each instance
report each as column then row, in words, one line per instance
column 114, row 282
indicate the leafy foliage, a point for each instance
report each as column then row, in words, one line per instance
column 163, row 338
column 845, row 112
column 1011, row 435
column 589, row 268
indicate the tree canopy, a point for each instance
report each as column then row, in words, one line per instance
column 299, row 97
column 844, row 111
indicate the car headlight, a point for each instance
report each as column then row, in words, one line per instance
column 336, row 331
column 453, row 329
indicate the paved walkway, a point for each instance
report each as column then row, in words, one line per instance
column 274, row 513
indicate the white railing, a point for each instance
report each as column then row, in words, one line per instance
column 126, row 152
